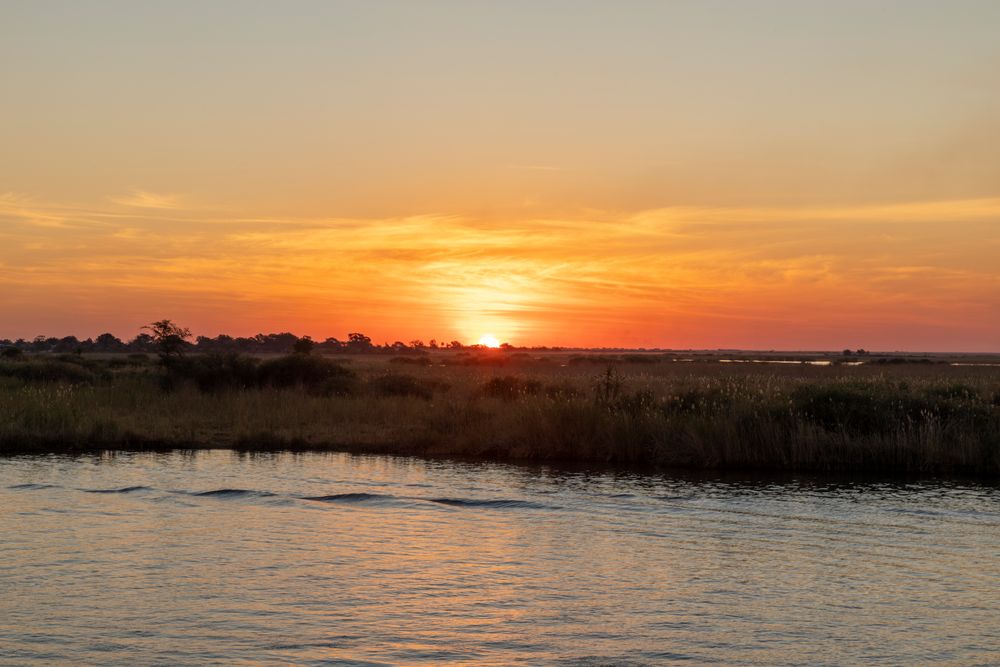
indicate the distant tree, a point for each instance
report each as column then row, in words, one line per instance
column 142, row 343
column 331, row 345
column 303, row 345
column 433, row 344
column 417, row 344
column 358, row 342
column 68, row 344
column 109, row 343
column 455, row 345
column 847, row 352
column 168, row 338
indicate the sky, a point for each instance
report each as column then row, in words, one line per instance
column 760, row 174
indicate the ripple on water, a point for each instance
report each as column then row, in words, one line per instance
column 124, row 489
column 351, row 498
column 231, row 493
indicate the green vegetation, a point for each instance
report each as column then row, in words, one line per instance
column 913, row 418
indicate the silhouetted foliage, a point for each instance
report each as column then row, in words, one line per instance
column 168, row 338
column 608, row 387
column 213, row 372
column 396, row 384
column 303, row 345
column 358, row 342
column 510, row 387
column 314, row 373
column 47, row 370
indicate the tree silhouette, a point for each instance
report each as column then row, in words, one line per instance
column 168, row 337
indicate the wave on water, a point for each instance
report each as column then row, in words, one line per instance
column 231, row 493
column 125, row 489
column 349, row 498
column 500, row 503
column 452, row 502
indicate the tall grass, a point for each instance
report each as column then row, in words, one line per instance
column 899, row 418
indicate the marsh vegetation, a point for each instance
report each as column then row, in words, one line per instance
column 653, row 410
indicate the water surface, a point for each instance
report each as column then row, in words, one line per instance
column 216, row 557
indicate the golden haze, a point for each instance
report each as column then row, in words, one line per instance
column 915, row 275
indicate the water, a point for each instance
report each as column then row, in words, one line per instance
column 332, row 559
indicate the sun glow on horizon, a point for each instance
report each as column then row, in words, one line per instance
column 489, row 340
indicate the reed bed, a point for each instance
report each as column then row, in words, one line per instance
column 908, row 418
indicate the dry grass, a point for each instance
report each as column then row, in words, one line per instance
column 928, row 418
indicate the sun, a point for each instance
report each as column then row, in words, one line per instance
column 489, row 340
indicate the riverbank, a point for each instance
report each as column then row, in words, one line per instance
column 906, row 418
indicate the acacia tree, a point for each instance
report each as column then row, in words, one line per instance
column 168, row 337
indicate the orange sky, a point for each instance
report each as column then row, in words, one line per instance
column 773, row 175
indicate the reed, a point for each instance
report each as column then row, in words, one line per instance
column 910, row 418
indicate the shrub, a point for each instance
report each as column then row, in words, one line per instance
column 11, row 353
column 608, row 387
column 510, row 387
column 397, row 384
column 212, row 372
column 47, row 371
column 315, row 373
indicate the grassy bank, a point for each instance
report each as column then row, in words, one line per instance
column 657, row 411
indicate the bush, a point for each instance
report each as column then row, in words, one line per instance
column 11, row 353
column 212, row 372
column 314, row 373
column 47, row 371
column 396, row 384
column 510, row 387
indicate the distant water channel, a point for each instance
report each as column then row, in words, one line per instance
column 218, row 558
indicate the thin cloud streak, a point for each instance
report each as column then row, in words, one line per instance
column 678, row 277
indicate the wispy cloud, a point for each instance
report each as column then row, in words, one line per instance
column 144, row 199
column 670, row 276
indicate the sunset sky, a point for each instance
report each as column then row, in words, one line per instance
column 777, row 175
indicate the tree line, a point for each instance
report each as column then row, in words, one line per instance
column 151, row 340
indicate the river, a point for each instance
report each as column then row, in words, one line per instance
column 333, row 559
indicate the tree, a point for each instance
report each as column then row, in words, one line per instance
column 358, row 342
column 303, row 345
column 107, row 342
column 168, row 337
